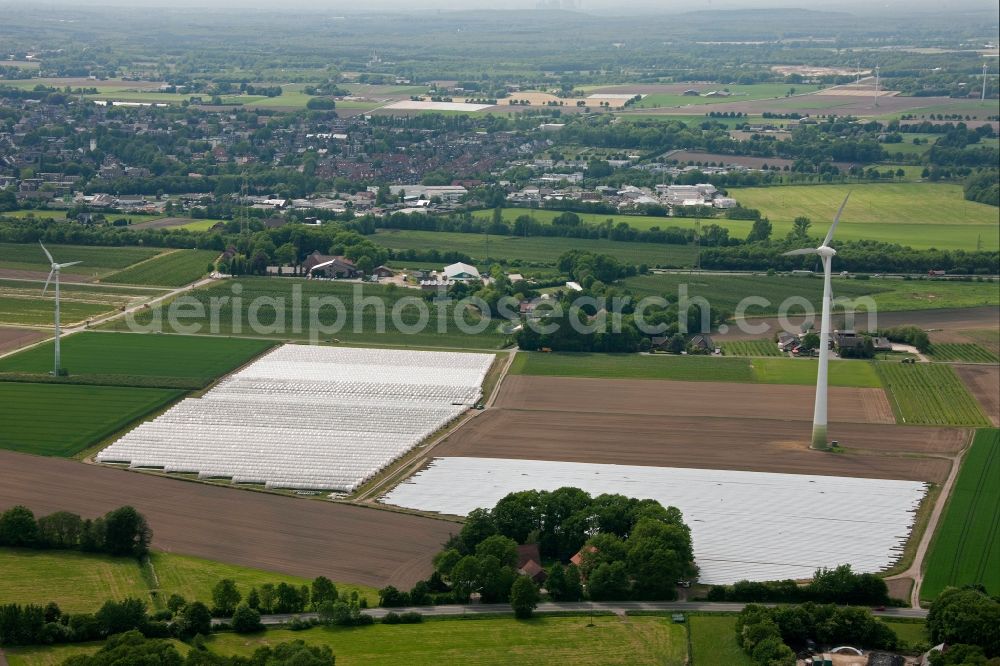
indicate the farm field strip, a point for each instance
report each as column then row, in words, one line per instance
column 929, row 394
column 537, row 249
column 134, row 358
column 966, row 549
column 542, row 641
column 29, row 311
column 751, row 348
column 171, row 269
column 745, row 525
column 713, row 641
column 694, row 368
column 60, row 420
column 81, row 582
column 359, row 323
column 962, row 352
column 291, row 536
column 97, row 260
column 983, row 381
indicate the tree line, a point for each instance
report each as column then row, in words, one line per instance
column 121, row 532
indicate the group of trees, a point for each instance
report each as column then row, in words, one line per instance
column 909, row 335
column 768, row 635
column 630, row 549
column 122, row 532
column 829, row 586
column 983, row 187
column 967, row 621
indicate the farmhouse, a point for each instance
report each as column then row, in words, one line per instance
column 461, row 272
column 319, row 265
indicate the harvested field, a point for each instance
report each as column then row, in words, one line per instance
column 281, row 534
column 757, row 445
column 948, row 320
column 19, row 274
column 983, row 381
column 670, row 398
column 12, row 338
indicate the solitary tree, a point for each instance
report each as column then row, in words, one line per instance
column 523, row 597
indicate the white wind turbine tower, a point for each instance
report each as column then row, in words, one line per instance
column 55, row 271
column 826, row 253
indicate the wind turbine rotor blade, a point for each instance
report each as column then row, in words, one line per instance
column 833, row 227
column 51, row 260
column 72, row 263
column 795, row 253
column 49, row 279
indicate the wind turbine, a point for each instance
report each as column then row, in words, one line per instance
column 826, row 254
column 55, row 271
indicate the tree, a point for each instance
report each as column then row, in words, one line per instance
column 502, row 548
column 131, row 648
column 246, row 620
column 608, row 582
column 967, row 616
column 523, row 597
column 126, row 532
column 800, row 228
column 334, row 612
column 118, row 616
column 60, row 530
column 18, row 527
column 267, row 597
column 323, row 590
column 253, row 599
column 446, row 560
column 809, row 342
column 293, row 652
column 225, row 597
column 195, row 619
column 478, row 525
column 761, row 231
column 465, row 577
column 175, row 603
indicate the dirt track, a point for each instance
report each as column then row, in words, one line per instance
column 669, row 398
column 12, row 338
column 983, row 381
column 282, row 534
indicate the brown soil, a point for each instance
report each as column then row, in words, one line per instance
column 899, row 588
column 283, row 534
column 983, row 381
column 14, row 338
column 19, row 274
column 757, row 445
column 945, row 319
column 670, row 398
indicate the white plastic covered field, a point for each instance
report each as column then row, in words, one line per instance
column 745, row 525
column 309, row 417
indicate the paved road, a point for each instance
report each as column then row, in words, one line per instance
column 618, row 608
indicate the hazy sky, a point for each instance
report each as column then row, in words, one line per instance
column 590, row 6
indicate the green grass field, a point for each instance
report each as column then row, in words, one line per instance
column 853, row 374
column 199, row 225
column 78, row 582
column 545, row 641
column 929, row 394
column 41, row 311
column 751, row 348
column 921, row 215
column 81, row 582
column 61, row 420
column 724, row 292
column 97, row 261
column 911, row 633
column 966, row 548
column 535, row 249
column 713, row 641
column 362, row 329
column 693, row 368
column 128, row 359
column 171, row 269
column 22, row 302
column 740, row 93
column 962, row 352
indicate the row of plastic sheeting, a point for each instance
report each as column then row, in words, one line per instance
column 309, row 417
column 745, row 525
